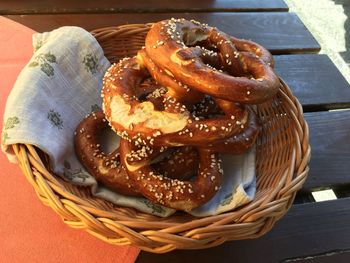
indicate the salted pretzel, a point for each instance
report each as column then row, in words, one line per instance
column 188, row 49
column 177, row 105
column 236, row 144
column 244, row 45
column 241, row 142
column 178, row 194
column 181, row 92
column 107, row 168
column 141, row 123
column 181, row 164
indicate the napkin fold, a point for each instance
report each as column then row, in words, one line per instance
column 58, row 87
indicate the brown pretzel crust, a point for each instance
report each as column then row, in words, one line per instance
column 239, row 143
column 180, row 164
column 169, row 44
column 180, row 195
column 175, row 89
column 236, row 144
column 107, row 168
column 244, row 45
column 174, row 126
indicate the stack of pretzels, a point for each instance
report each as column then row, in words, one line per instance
column 186, row 97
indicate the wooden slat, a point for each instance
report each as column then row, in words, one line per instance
column 281, row 32
column 306, row 230
column 315, row 81
column 140, row 6
column 330, row 149
column 339, row 256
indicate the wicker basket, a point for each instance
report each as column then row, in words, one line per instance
column 283, row 154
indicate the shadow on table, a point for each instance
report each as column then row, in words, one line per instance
column 346, row 6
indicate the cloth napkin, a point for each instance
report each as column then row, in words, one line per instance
column 58, row 87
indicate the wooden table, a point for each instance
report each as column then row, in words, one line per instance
column 311, row 231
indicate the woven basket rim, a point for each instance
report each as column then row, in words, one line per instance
column 186, row 232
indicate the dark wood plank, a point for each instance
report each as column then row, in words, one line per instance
column 140, row 6
column 339, row 256
column 315, row 81
column 281, row 32
column 330, row 149
column 306, row 230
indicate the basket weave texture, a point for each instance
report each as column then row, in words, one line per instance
column 283, row 154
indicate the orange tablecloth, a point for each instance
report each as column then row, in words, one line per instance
column 29, row 230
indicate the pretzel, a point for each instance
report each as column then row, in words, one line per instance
column 107, row 168
column 180, row 164
column 177, row 105
column 173, row 193
column 140, row 123
column 175, row 89
column 241, row 142
column 244, row 45
column 236, row 144
column 173, row 45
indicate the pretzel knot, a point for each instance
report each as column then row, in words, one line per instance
column 159, row 183
column 201, row 56
column 142, row 123
column 108, row 168
column 179, row 194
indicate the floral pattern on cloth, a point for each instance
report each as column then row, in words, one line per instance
column 43, row 61
column 10, row 123
column 91, row 63
column 60, row 85
column 55, row 119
